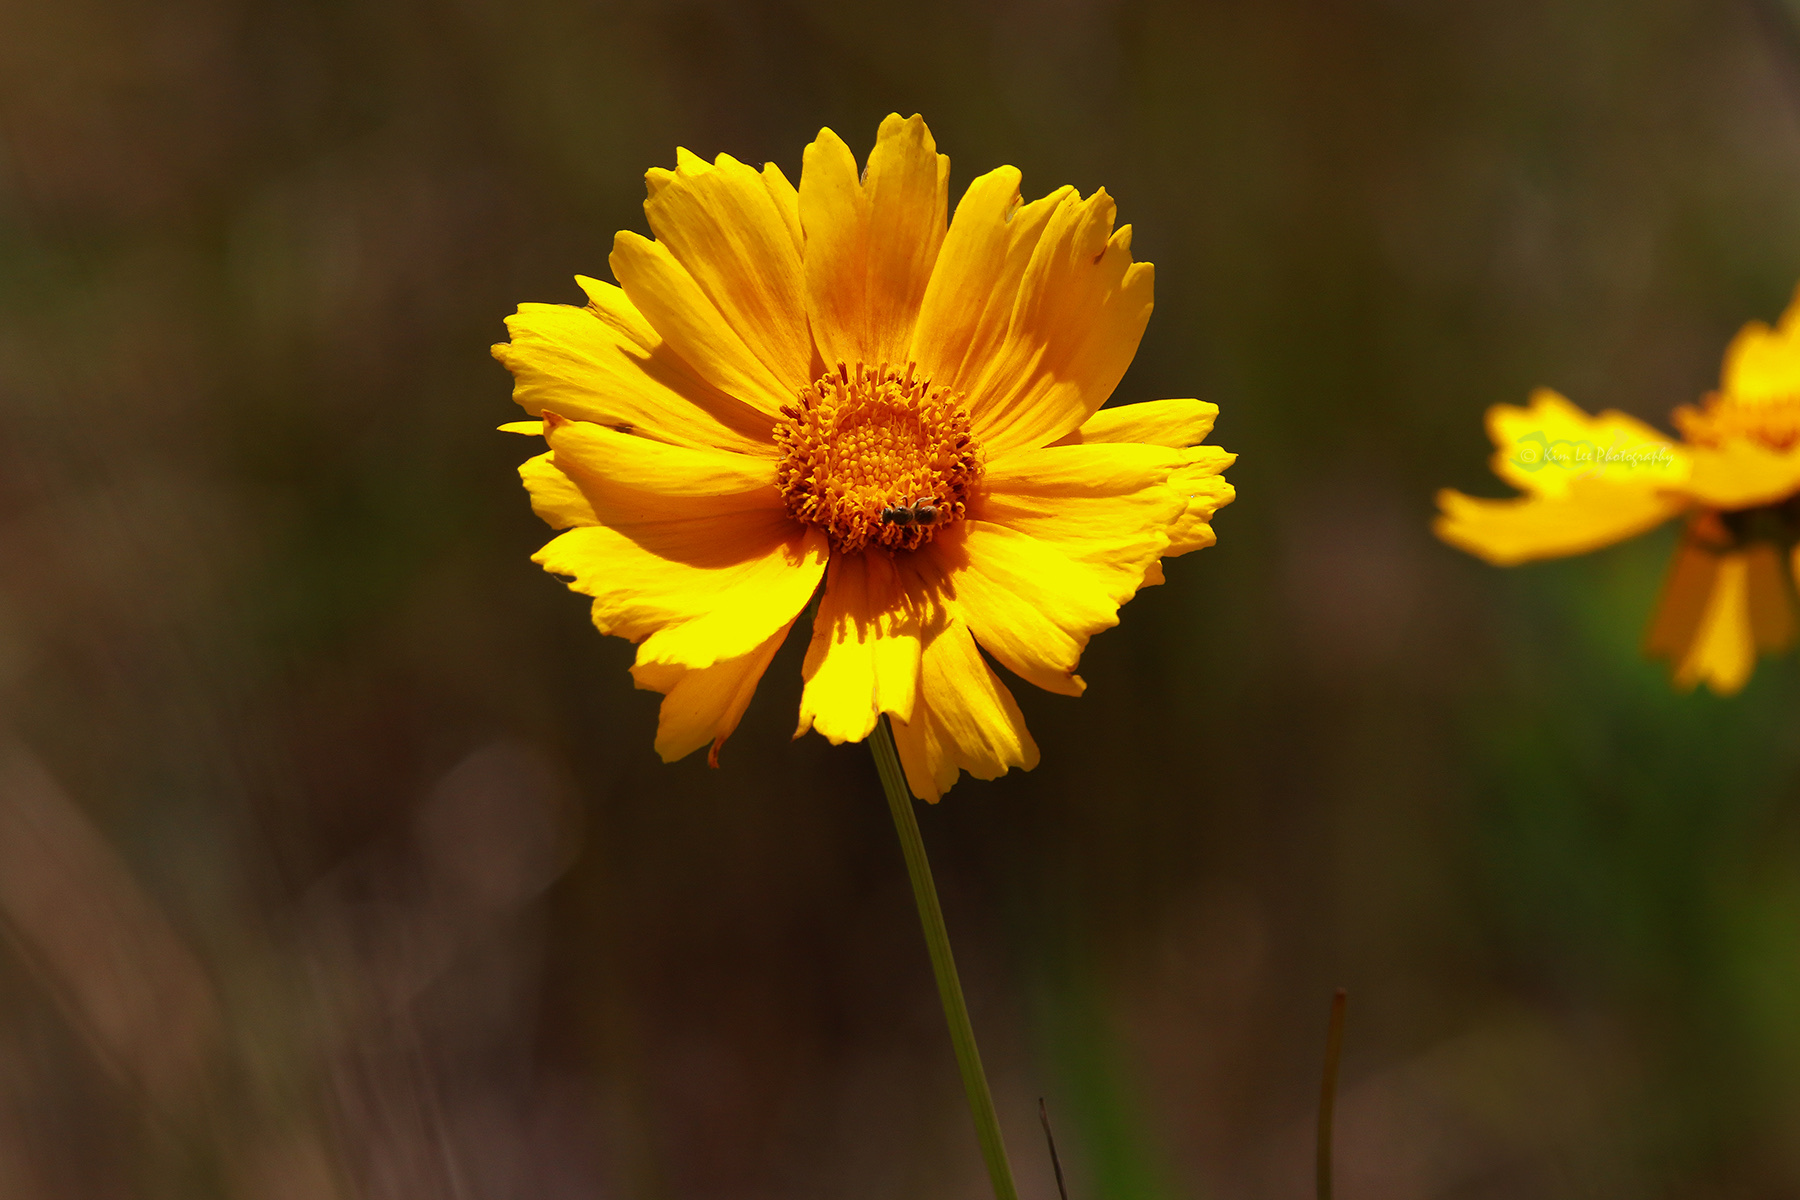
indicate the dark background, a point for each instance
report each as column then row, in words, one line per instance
column 334, row 856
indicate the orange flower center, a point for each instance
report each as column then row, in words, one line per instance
column 1774, row 421
column 874, row 456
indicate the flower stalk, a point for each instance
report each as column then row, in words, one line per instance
column 943, row 964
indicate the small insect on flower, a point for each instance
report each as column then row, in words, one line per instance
column 922, row 511
column 858, row 385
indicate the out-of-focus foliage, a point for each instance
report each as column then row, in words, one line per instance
column 333, row 852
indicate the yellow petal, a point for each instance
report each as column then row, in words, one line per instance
column 554, row 496
column 693, row 591
column 1550, row 446
column 925, row 755
column 705, row 705
column 1108, row 505
column 1764, row 364
column 864, row 655
column 871, row 241
column 723, row 223
column 968, row 304
column 1156, row 422
column 966, row 719
column 1588, row 515
column 787, row 203
column 682, row 314
column 1771, row 598
column 604, row 363
column 1722, row 649
column 628, row 480
column 1743, row 474
column 1027, row 602
column 1081, row 308
column 1182, row 423
column 1685, row 593
column 1206, row 493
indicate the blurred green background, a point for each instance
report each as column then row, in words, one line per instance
column 334, row 858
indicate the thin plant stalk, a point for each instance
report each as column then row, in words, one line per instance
column 1334, row 1049
column 943, row 965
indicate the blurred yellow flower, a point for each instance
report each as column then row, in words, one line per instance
column 827, row 382
column 1735, row 475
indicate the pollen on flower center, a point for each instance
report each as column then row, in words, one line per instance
column 876, row 456
column 1773, row 421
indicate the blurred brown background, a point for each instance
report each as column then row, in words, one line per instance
column 334, row 858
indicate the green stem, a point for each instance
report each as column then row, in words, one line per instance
column 943, row 965
column 1334, row 1049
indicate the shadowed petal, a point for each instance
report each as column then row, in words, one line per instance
column 864, row 656
column 966, row 719
column 705, row 705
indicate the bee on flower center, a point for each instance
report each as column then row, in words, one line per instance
column 858, row 442
column 922, row 511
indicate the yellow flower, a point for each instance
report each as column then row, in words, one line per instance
column 826, row 382
column 1735, row 475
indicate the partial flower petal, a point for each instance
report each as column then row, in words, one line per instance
column 1743, row 474
column 1206, row 492
column 966, row 719
column 1771, row 597
column 1027, row 602
column 925, row 755
column 705, row 705
column 1182, row 423
column 787, row 203
column 1685, row 594
column 681, row 313
column 554, row 496
column 1155, row 422
column 723, row 223
column 1721, row 645
column 871, row 241
column 604, row 363
column 1551, row 446
column 1718, row 609
column 968, row 305
column 693, row 590
column 864, row 656
column 1074, row 327
column 628, row 480
column 1764, row 364
column 1108, row 506
column 1588, row 515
